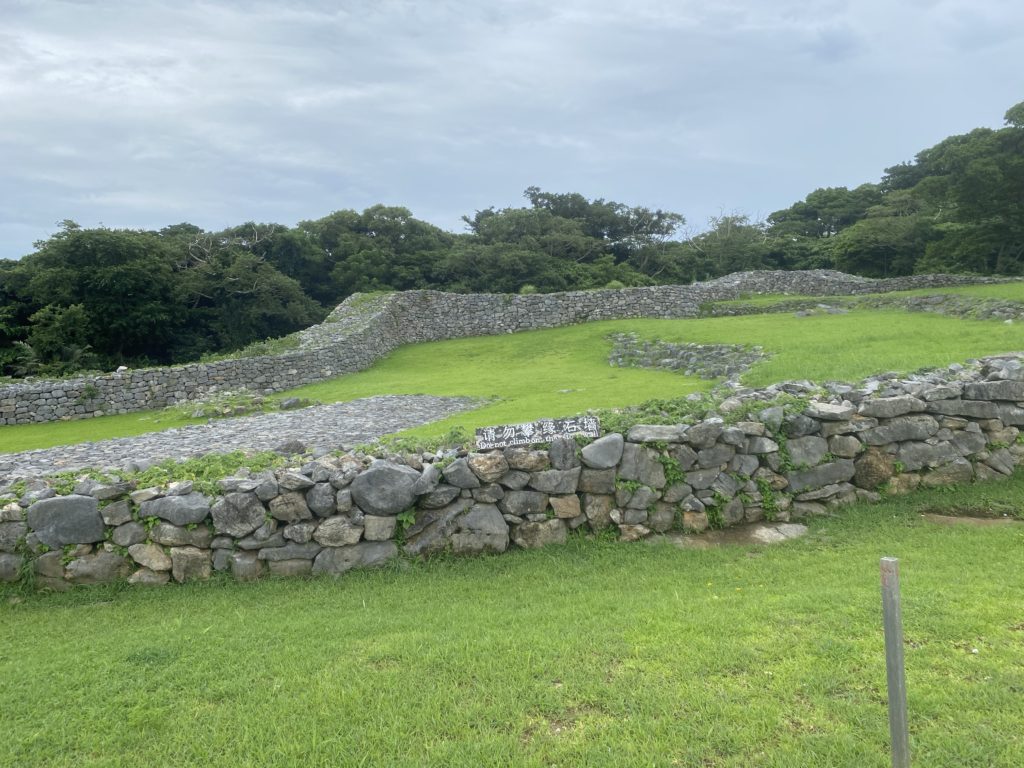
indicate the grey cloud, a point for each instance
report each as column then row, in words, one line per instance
column 148, row 113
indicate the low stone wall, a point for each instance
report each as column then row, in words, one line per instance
column 333, row 514
column 706, row 361
column 364, row 329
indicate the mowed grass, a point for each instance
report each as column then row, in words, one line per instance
column 27, row 437
column 592, row 653
column 564, row 371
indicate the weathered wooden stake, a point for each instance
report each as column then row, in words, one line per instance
column 895, row 677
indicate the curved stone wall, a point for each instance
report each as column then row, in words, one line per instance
column 364, row 329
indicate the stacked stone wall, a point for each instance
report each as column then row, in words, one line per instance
column 333, row 514
column 364, row 329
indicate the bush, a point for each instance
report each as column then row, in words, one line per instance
column 527, row 289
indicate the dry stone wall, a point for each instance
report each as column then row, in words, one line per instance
column 330, row 515
column 366, row 328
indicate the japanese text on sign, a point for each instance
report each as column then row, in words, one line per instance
column 542, row 431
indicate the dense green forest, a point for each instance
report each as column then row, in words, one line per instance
column 99, row 298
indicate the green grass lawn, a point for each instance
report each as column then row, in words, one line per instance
column 563, row 371
column 592, row 653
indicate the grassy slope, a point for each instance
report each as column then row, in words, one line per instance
column 562, row 371
column 533, row 368
column 589, row 654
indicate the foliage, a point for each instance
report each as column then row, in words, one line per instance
column 106, row 297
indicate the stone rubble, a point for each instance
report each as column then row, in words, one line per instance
column 324, row 427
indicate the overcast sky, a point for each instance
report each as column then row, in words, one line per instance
column 145, row 113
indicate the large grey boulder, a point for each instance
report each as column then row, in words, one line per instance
column 177, row 510
column 482, row 529
column 807, row 451
column 523, row 503
column 916, row 427
column 888, row 407
column 995, row 390
column 459, row 474
column 914, row 456
column 597, row 481
column 829, row 411
column 432, row 529
column 969, row 442
column 118, row 513
column 129, row 533
column 641, row 463
column 150, row 556
column 98, row 568
column 705, row 434
column 238, row 514
column 294, row 481
column 300, row 533
column 175, row 536
column 956, row 472
column 428, row 480
column 559, row 481
column 322, row 499
column 385, row 488
column 338, row 532
column 66, row 520
column 598, row 508
column 824, row 474
column 488, row 467
column 603, row 453
column 526, row 460
column 290, row 507
column 335, row 561
column 873, row 468
column 562, row 453
column 441, row 496
column 975, row 409
column 715, row 456
column 11, row 535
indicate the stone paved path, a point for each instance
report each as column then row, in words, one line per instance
column 337, row 425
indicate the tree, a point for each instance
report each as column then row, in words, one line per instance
column 122, row 281
column 731, row 244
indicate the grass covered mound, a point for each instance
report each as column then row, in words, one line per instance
column 592, row 653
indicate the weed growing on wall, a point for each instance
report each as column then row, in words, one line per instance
column 205, row 471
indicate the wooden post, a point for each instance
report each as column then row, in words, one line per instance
column 896, row 680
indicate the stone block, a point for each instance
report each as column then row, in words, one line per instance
column 66, row 520
column 190, row 564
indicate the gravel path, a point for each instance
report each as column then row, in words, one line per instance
column 337, row 425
